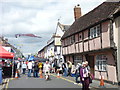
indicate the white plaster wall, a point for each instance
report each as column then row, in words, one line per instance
column 116, row 27
column 112, row 73
column 59, row 32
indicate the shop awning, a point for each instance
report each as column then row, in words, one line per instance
column 5, row 54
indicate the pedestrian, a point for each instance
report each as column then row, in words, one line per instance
column 88, row 67
column 36, row 70
column 24, row 66
column 29, row 68
column 18, row 68
column 60, row 68
column 46, row 69
column 73, row 69
column 14, row 68
column 65, row 71
column 84, row 75
column 33, row 63
column 77, row 73
column 69, row 68
column 40, row 65
column 53, row 67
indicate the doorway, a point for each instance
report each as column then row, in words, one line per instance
column 91, row 63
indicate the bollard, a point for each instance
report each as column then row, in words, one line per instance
column 102, row 82
column 16, row 74
column 41, row 76
column 58, row 74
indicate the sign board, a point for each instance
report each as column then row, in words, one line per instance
column 57, row 41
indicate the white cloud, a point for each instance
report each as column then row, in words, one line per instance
column 38, row 17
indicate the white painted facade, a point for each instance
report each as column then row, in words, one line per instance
column 53, row 49
column 116, row 35
column 58, row 49
column 49, row 50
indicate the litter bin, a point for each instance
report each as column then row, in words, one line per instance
column 0, row 75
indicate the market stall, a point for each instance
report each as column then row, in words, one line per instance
column 6, row 67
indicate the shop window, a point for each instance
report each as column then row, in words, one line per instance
column 101, row 62
column 94, row 32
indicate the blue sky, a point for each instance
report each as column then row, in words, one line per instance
column 38, row 17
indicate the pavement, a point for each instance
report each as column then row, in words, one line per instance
column 94, row 85
column 61, row 82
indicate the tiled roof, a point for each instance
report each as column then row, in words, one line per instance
column 100, row 13
column 63, row 27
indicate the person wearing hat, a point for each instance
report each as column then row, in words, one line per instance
column 84, row 76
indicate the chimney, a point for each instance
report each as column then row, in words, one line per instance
column 77, row 12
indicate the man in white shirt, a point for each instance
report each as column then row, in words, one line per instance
column 24, row 66
column 29, row 68
column 47, row 68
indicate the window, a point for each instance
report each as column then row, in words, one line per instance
column 80, row 36
column 101, row 62
column 76, row 37
column 67, row 41
column 72, row 39
column 55, row 48
column 77, row 59
column 63, row 42
column 95, row 31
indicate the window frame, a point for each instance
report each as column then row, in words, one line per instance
column 101, row 62
column 72, row 39
column 95, row 31
column 78, row 59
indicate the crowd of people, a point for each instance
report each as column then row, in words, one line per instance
column 81, row 72
column 27, row 67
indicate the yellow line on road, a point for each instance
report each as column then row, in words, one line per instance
column 7, row 84
column 67, row 80
column 4, row 81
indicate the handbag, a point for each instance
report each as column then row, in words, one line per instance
column 90, row 80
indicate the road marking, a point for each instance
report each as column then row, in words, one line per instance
column 67, row 80
column 71, row 81
column 4, row 81
column 7, row 84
